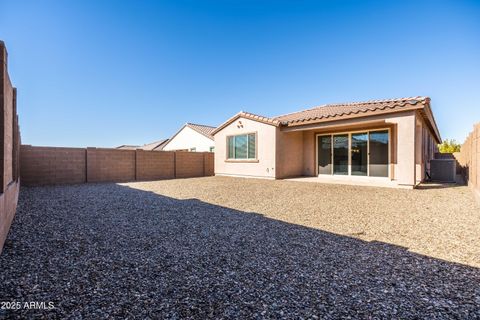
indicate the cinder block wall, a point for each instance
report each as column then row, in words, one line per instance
column 49, row 165
column 9, row 152
column 189, row 164
column 54, row 165
column 110, row 165
column 469, row 159
column 154, row 165
column 209, row 166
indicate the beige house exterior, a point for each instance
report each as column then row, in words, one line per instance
column 390, row 141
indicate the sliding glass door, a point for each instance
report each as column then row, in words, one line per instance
column 378, row 165
column 325, row 154
column 357, row 153
column 340, row 154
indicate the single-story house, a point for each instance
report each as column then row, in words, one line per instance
column 380, row 140
column 192, row 137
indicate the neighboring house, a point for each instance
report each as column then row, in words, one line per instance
column 192, row 137
column 380, row 140
column 153, row 146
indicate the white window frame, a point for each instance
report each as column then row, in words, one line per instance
column 242, row 159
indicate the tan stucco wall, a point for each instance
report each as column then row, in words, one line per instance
column 309, row 153
column 266, row 150
column 289, row 154
column 404, row 168
column 402, row 142
column 426, row 147
column 419, row 163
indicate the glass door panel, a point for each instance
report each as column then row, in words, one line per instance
column 324, row 155
column 340, row 154
column 359, row 154
column 378, row 165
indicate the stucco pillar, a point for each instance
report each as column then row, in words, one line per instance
column 418, row 151
column 405, row 166
column 309, row 169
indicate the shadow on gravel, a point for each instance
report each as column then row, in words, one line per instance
column 105, row 250
column 438, row 185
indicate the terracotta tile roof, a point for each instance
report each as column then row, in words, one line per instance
column 202, row 129
column 252, row 116
column 345, row 109
column 332, row 112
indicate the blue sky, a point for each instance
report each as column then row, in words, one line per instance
column 105, row 73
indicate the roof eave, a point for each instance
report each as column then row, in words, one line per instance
column 249, row 116
column 202, row 133
column 348, row 116
column 431, row 121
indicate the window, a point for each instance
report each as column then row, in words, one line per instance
column 212, row 149
column 242, row 146
column 193, row 149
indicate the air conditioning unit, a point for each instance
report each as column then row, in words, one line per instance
column 443, row 170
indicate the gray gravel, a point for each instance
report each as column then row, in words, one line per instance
column 107, row 250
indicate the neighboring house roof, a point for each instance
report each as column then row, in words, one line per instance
column 156, row 145
column 200, row 128
column 161, row 145
column 127, row 147
column 332, row 112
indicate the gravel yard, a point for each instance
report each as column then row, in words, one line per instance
column 243, row 248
